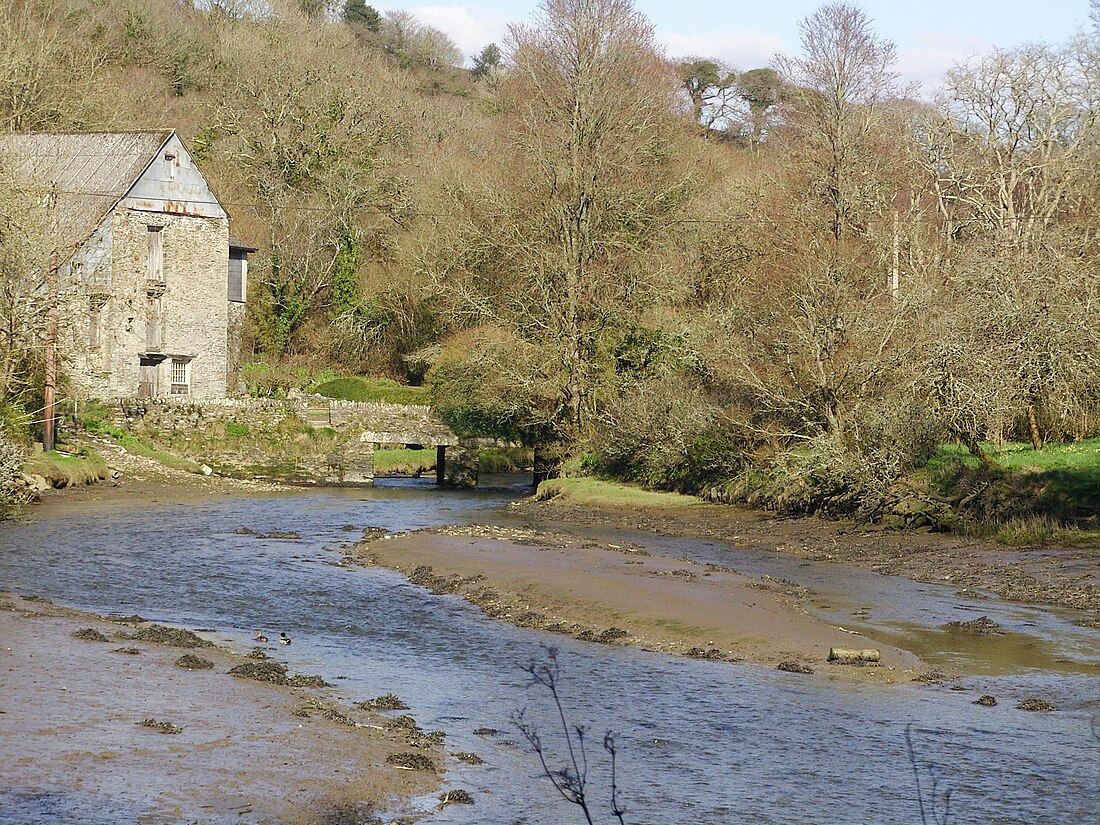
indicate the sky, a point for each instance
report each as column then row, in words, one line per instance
column 931, row 35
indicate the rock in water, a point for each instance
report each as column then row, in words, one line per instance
column 982, row 626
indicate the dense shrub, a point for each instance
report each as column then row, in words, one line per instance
column 12, row 491
column 663, row 435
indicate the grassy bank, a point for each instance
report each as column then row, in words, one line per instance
column 597, row 492
column 403, row 462
column 1023, row 493
column 65, row 469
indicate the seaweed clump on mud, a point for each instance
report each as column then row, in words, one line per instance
column 1036, row 705
column 348, row 813
column 171, row 636
column 274, row 673
column 161, row 727
column 189, row 661
column 90, row 634
column 982, row 626
column 411, row 761
column 468, row 757
column 388, row 701
column 424, row 576
column 457, row 796
column 414, row 736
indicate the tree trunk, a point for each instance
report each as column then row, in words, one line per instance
column 1033, row 427
column 975, row 448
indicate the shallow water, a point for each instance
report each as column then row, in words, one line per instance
column 700, row 741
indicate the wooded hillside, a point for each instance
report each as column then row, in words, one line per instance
column 793, row 281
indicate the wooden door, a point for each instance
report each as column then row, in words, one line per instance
column 147, row 380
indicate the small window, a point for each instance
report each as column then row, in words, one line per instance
column 170, row 162
column 156, row 253
column 181, row 376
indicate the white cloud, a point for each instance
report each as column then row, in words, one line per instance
column 470, row 30
column 740, row 49
column 925, row 57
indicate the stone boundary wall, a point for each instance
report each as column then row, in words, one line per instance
column 386, row 423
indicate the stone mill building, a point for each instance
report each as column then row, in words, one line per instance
column 152, row 285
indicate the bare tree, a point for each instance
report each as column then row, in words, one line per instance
column 49, row 75
column 23, row 227
column 836, row 90
column 593, row 182
column 1013, row 149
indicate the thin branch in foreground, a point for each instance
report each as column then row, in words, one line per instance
column 570, row 781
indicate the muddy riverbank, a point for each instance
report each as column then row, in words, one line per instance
column 620, row 594
column 111, row 714
column 1063, row 576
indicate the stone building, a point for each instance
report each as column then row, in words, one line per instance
column 149, row 278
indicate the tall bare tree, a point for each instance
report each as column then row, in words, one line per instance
column 1014, row 145
column 837, row 88
column 590, row 103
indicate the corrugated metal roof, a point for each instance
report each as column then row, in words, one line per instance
column 91, row 170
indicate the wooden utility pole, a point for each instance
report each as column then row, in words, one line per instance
column 49, row 395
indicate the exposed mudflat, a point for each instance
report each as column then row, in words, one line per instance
column 617, row 594
column 1051, row 575
column 117, row 722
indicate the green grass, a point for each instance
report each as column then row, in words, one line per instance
column 370, row 389
column 596, row 491
column 138, row 447
column 1072, row 456
column 403, row 462
column 1072, row 470
column 1027, row 496
column 504, row 459
column 65, row 470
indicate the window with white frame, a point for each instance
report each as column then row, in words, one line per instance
column 181, row 376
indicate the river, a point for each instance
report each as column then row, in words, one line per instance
column 701, row 742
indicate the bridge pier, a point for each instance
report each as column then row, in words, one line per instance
column 353, row 466
column 456, row 465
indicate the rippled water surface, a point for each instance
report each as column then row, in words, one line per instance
column 701, row 742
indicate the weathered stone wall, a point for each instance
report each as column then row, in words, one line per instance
column 348, row 461
column 181, row 414
column 234, row 336
column 109, row 275
column 194, row 310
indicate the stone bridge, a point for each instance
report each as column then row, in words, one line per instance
column 379, row 423
column 361, row 427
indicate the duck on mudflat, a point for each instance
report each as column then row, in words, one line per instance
column 284, row 639
column 260, row 637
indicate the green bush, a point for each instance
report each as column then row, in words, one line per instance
column 366, row 389
column 12, row 491
column 661, row 435
column 235, row 430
